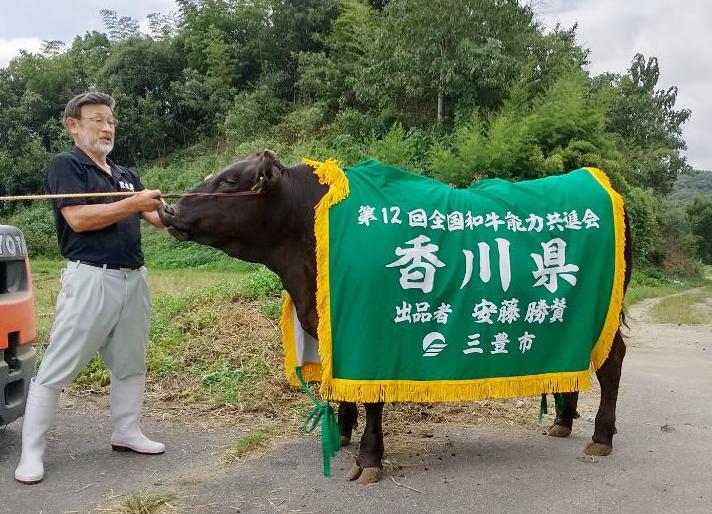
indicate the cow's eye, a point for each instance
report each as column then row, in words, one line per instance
column 230, row 181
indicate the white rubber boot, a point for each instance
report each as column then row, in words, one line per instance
column 40, row 414
column 126, row 407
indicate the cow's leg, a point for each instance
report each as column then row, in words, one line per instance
column 609, row 377
column 565, row 419
column 368, row 467
column 348, row 420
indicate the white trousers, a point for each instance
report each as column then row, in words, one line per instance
column 98, row 310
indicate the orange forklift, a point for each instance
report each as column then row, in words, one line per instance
column 17, row 324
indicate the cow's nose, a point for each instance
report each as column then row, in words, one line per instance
column 168, row 209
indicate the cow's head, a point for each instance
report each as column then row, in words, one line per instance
column 220, row 220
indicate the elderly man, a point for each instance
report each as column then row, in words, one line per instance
column 104, row 301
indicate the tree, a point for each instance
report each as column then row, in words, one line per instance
column 120, row 29
column 139, row 73
column 699, row 213
column 52, row 78
column 648, row 124
column 297, row 27
column 88, row 54
column 52, row 48
column 332, row 74
column 643, row 209
column 551, row 56
column 431, row 57
column 240, row 26
column 562, row 130
column 22, row 153
column 163, row 26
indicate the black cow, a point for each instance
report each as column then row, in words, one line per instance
column 275, row 227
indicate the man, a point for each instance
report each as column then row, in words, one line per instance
column 104, row 301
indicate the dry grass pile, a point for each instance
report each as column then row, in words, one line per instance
column 227, row 366
column 145, row 503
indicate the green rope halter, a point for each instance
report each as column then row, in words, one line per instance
column 558, row 405
column 330, row 437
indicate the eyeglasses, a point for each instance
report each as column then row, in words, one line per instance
column 100, row 122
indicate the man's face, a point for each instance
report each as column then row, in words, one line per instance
column 94, row 129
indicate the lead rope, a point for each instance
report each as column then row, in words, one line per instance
column 558, row 405
column 120, row 194
column 330, row 437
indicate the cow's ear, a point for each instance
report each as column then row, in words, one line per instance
column 269, row 171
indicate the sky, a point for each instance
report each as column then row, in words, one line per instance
column 675, row 31
column 26, row 23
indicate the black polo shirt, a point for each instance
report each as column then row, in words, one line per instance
column 118, row 244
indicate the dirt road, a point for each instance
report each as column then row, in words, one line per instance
column 662, row 458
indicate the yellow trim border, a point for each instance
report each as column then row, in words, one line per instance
column 311, row 371
column 453, row 390
column 605, row 340
column 330, row 174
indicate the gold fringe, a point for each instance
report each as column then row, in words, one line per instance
column 289, row 342
column 330, row 174
column 311, row 371
column 610, row 327
column 454, row 390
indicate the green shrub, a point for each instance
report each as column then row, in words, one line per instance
column 419, row 143
column 675, row 250
column 647, row 276
column 255, row 112
column 699, row 213
column 353, row 123
column 37, row 224
column 393, row 148
column 95, row 372
column 643, row 210
column 347, row 149
column 163, row 251
column 301, row 124
column 291, row 155
column 240, row 150
column 262, row 284
column 183, row 174
column 461, row 157
column 265, row 287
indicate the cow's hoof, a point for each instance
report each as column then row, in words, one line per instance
column 598, row 449
column 559, row 431
column 370, row 476
column 354, row 472
column 345, row 441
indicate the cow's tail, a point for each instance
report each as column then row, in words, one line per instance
column 628, row 256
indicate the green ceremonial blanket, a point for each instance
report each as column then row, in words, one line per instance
column 430, row 293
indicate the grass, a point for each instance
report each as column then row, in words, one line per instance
column 689, row 308
column 637, row 294
column 245, row 445
column 647, row 284
column 685, row 301
column 147, row 503
column 45, row 281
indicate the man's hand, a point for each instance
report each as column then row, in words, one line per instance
column 148, row 200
